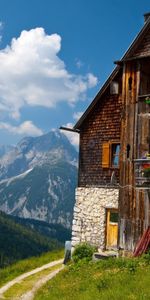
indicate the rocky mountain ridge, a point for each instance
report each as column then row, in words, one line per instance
column 33, row 151
column 38, row 179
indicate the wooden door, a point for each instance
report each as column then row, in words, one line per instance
column 112, row 228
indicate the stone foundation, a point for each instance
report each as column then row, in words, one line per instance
column 89, row 222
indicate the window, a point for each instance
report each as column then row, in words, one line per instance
column 128, row 151
column 115, row 155
column 130, row 83
column 113, row 217
column 110, row 155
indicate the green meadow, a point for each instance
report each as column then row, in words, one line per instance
column 112, row 279
column 25, row 265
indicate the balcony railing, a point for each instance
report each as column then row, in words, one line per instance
column 142, row 172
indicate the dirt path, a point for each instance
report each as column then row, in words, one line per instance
column 30, row 294
column 27, row 274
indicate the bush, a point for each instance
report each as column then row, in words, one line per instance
column 146, row 257
column 83, row 251
column 102, row 284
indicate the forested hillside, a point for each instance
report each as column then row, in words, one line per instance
column 53, row 231
column 18, row 241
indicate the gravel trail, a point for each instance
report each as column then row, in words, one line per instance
column 18, row 279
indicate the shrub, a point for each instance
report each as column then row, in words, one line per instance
column 132, row 266
column 102, row 284
column 83, row 251
column 146, row 257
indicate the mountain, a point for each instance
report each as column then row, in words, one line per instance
column 33, row 151
column 4, row 149
column 38, row 178
column 18, row 241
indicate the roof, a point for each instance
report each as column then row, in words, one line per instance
column 96, row 99
column 126, row 56
column 134, row 44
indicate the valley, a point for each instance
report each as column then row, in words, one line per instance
column 37, row 186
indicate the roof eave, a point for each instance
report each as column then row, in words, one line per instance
column 120, row 62
column 69, row 129
column 113, row 74
column 133, row 44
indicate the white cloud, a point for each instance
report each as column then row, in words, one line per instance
column 92, row 80
column 32, row 74
column 79, row 63
column 72, row 136
column 77, row 115
column 27, row 128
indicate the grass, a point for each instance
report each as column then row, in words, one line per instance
column 26, row 265
column 17, row 290
column 115, row 279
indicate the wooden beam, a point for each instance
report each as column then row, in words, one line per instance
column 69, row 129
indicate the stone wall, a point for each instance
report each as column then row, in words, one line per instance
column 89, row 222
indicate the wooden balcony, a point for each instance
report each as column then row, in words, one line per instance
column 142, row 173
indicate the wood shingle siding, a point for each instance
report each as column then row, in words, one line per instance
column 144, row 48
column 102, row 126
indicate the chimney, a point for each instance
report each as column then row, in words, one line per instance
column 146, row 17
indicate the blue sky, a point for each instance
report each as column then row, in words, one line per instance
column 55, row 55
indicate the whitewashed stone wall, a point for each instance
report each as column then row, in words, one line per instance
column 89, row 222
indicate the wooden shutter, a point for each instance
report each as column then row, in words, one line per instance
column 106, row 155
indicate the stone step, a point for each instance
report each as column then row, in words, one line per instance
column 105, row 255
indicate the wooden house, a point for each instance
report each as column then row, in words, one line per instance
column 112, row 206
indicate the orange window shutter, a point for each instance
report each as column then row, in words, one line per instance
column 105, row 155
